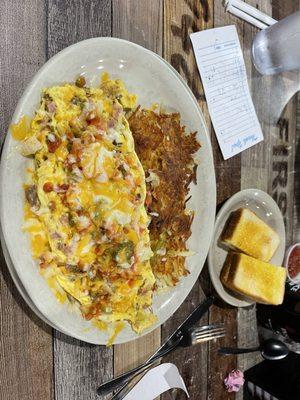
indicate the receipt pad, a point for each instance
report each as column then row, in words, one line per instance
column 221, row 64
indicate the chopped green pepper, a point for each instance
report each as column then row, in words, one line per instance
column 123, row 252
column 80, row 81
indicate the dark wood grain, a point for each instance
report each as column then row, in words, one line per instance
column 33, row 363
column 260, row 163
column 22, row 47
column 283, row 133
column 284, row 171
column 79, row 367
column 26, row 357
column 192, row 362
column 228, row 183
column 140, row 22
column 72, row 21
column 296, row 219
column 254, row 174
column 180, row 19
column 228, row 176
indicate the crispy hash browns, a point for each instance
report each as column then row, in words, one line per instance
column 166, row 153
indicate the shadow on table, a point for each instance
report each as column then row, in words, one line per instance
column 208, row 289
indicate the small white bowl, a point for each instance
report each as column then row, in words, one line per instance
column 286, row 260
column 266, row 208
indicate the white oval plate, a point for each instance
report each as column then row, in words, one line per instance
column 265, row 207
column 154, row 81
column 20, row 287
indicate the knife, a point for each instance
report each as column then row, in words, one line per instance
column 190, row 321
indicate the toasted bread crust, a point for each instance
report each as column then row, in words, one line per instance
column 258, row 280
column 226, row 268
column 231, row 224
column 247, row 233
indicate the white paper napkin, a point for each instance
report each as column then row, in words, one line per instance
column 157, row 381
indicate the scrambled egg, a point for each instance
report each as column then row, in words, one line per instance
column 84, row 206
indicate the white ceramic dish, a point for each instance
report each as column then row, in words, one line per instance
column 153, row 80
column 288, row 253
column 266, row 208
column 20, row 287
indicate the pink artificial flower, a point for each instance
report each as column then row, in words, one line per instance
column 234, row 381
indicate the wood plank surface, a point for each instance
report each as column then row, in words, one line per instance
column 78, row 367
column 228, row 175
column 37, row 362
column 180, row 19
column 296, row 219
column 260, row 163
column 283, row 134
column 26, row 357
column 72, row 21
column 140, row 22
column 254, row 174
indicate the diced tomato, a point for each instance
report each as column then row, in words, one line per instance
column 76, row 149
column 131, row 283
column 88, row 316
column 64, row 200
column 98, row 137
column 62, row 188
column 99, row 123
column 53, row 146
column 52, row 205
column 48, row 187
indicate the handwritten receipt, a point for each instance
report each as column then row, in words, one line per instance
column 220, row 62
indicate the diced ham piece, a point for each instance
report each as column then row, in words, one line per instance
column 51, row 107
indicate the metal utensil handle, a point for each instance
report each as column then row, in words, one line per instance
column 190, row 321
column 194, row 317
column 125, row 389
column 235, row 350
column 114, row 383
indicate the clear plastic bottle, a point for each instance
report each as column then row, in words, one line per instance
column 277, row 48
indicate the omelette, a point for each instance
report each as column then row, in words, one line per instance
column 84, row 208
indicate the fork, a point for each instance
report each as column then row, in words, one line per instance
column 188, row 338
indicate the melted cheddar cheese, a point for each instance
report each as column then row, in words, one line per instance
column 84, row 209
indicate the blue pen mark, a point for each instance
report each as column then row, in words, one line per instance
column 250, row 138
column 238, row 144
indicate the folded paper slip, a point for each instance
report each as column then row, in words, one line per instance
column 157, row 381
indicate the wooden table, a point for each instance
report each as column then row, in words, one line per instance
column 39, row 363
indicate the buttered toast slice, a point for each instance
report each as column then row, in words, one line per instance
column 258, row 280
column 247, row 233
